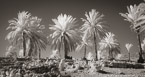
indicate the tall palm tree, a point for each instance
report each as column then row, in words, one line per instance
column 26, row 28
column 93, row 27
column 128, row 46
column 111, row 43
column 136, row 17
column 65, row 35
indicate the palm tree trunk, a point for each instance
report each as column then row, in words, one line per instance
column 65, row 48
column 39, row 54
column 110, row 57
column 59, row 49
column 85, row 52
column 140, row 60
column 129, row 56
column 95, row 46
column 24, row 45
column 31, row 48
column 109, row 54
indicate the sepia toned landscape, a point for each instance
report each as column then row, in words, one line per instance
column 72, row 38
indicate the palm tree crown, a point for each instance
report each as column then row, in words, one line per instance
column 64, row 34
column 26, row 28
column 136, row 17
column 93, row 24
column 17, row 25
column 109, row 41
column 128, row 46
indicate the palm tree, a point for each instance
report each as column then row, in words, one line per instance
column 111, row 43
column 64, row 34
column 11, row 52
column 37, row 41
column 83, row 45
column 128, row 46
column 93, row 28
column 90, row 56
column 26, row 30
column 136, row 17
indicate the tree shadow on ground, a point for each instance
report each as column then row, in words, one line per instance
column 104, row 72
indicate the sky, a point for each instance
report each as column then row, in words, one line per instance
column 49, row 9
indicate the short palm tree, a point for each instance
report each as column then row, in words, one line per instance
column 65, row 35
column 90, row 56
column 11, row 52
column 136, row 17
column 128, row 46
column 26, row 28
column 84, row 46
column 93, row 27
column 111, row 43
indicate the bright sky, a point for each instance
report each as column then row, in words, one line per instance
column 48, row 9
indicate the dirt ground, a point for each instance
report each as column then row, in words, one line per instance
column 113, row 72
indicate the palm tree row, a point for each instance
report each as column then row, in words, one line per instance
column 27, row 33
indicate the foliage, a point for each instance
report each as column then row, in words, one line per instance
column 82, row 45
column 93, row 27
column 136, row 17
column 128, row 46
column 55, row 55
column 27, row 28
column 11, row 52
column 65, row 33
column 93, row 24
column 90, row 56
column 109, row 41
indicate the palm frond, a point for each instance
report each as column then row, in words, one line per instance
column 38, row 42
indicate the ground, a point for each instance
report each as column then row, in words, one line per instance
column 114, row 72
